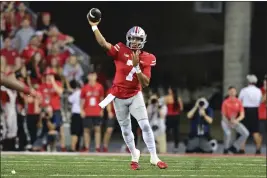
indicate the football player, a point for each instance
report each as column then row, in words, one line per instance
column 133, row 72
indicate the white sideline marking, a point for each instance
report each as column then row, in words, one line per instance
column 127, row 154
column 81, row 166
column 108, row 162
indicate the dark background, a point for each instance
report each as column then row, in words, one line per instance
column 171, row 28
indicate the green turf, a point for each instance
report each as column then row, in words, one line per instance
column 35, row 166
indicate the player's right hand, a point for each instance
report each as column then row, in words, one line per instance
column 93, row 23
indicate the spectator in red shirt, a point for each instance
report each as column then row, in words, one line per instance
column 233, row 113
column 56, row 53
column 11, row 55
column 21, row 14
column 55, row 36
column 52, row 91
column 31, row 49
column 91, row 94
column 33, row 111
column 110, row 124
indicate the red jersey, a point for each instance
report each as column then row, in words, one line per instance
column 20, row 17
column 231, row 107
column 126, row 84
column 10, row 55
column 31, row 108
column 29, row 51
column 262, row 108
column 50, row 96
column 172, row 111
column 61, row 58
column 92, row 95
column 59, row 37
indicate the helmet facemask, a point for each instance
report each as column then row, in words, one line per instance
column 136, row 38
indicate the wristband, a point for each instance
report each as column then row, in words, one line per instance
column 137, row 69
column 94, row 28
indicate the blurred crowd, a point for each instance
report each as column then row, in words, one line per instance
column 37, row 54
column 31, row 49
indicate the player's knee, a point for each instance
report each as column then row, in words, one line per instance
column 126, row 133
column 145, row 126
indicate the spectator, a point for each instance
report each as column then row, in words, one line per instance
column 11, row 55
column 21, row 14
column 201, row 116
column 20, row 107
column 91, row 94
column 110, row 124
column 56, row 53
column 54, row 36
column 52, row 91
column 251, row 98
column 7, row 18
column 31, row 49
column 2, row 30
column 57, row 68
column 24, row 35
column 40, row 38
column 262, row 110
column 44, row 22
column 175, row 107
column 33, row 70
column 33, row 113
column 73, row 70
column 233, row 113
column 157, row 112
column 49, row 131
column 76, row 127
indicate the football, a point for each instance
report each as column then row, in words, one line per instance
column 94, row 15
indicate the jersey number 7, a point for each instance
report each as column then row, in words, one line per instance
column 129, row 77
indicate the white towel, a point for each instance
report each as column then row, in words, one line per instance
column 106, row 101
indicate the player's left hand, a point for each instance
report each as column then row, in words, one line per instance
column 135, row 57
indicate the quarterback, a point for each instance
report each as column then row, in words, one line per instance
column 133, row 72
